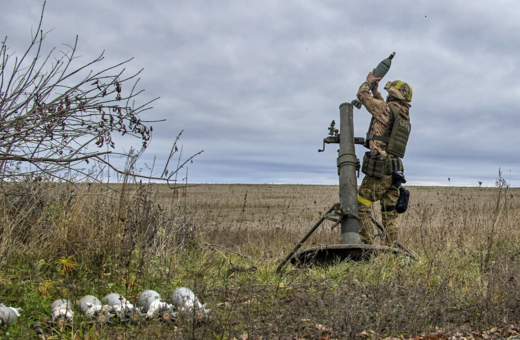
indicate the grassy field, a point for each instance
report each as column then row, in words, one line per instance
column 225, row 241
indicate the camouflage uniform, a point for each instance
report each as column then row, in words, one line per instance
column 378, row 189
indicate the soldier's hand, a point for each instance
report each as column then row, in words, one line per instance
column 373, row 79
column 374, row 88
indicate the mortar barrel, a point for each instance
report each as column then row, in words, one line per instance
column 347, row 161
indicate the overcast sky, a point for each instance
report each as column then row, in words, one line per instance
column 255, row 84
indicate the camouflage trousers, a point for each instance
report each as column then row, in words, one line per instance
column 372, row 190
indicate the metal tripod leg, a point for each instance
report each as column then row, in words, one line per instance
column 399, row 245
column 304, row 238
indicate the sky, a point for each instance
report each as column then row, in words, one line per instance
column 255, row 84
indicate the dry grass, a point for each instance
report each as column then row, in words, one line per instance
column 272, row 218
column 224, row 242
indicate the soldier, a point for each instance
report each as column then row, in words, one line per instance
column 386, row 138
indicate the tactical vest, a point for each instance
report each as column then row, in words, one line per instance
column 396, row 135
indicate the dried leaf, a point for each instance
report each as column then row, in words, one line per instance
column 435, row 336
column 363, row 335
column 322, row 328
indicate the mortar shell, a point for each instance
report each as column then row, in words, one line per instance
column 61, row 303
column 184, row 298
column 146, row 298
column 88, row 301
column 7, row 316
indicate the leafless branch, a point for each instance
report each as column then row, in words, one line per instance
column 54, row 111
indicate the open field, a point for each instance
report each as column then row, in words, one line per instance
column 225, row 241
column 271, row 218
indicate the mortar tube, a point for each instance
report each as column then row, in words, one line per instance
column 347, row 161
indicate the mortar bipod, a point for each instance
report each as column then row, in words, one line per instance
column 398, row 244
column 335, row 217
column 334, row 214
column 338, row 214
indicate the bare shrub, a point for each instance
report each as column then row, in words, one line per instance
column 101, row 225
column 58, row 115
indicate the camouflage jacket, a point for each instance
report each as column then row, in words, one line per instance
column 380, row 110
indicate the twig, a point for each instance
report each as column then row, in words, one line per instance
column 399, row 245
column 211, row 245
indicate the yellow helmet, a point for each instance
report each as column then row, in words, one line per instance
column 400, row 90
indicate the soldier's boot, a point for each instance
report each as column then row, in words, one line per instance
column 366, row 228
column 391, row 232
column 391, row 237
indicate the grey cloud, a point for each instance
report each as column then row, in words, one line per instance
column 256, row 84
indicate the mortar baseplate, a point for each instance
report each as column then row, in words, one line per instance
column 333, row 254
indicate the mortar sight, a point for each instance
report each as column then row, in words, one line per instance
column 333, row 137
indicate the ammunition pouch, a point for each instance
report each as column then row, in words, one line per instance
column 377, row 166
column 393, row 165
column 373, row 166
